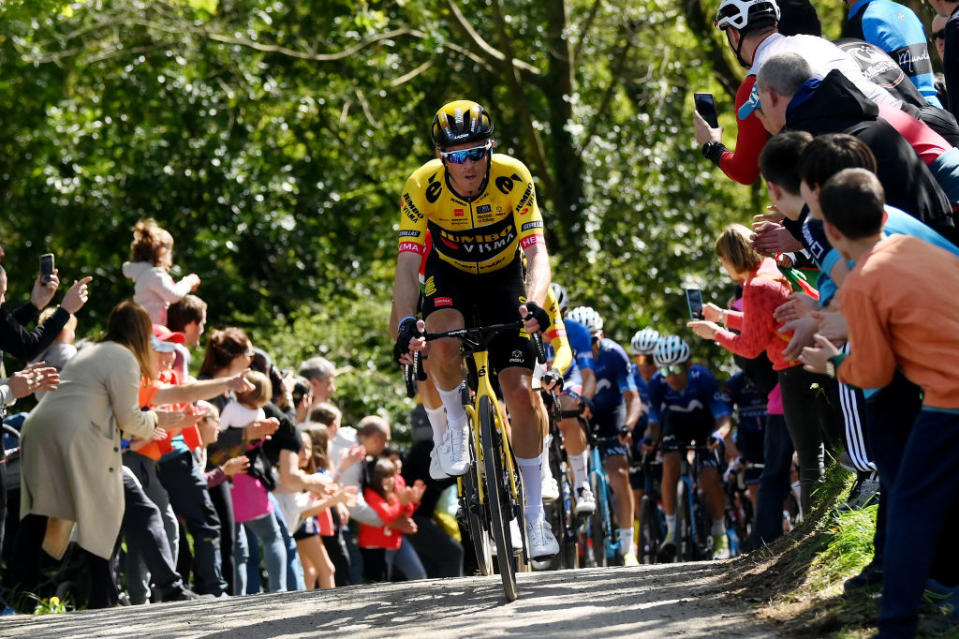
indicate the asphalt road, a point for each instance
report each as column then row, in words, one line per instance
column 674, row 600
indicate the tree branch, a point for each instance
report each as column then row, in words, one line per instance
column 492, row 55
column 522, row 104
column 617, row 73
column 587, row 25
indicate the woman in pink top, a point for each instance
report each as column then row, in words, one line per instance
column 808, row 411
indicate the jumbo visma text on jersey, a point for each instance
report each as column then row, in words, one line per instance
column 478, row 235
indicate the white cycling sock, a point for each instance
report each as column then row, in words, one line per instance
column 544, row 458
column 625, row 540
column 719, row 527
column 437, row 417
column 533, row 487
column 670, row 524
column 578, row 464
column 452, row 402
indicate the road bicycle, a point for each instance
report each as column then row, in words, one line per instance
column 651, row 524
column 561, row 514
column 693, row 541
column 491, row 491
column 600, row 544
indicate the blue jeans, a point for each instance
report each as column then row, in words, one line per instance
column 924, row 494
column 294, row 568
column 274, row 552
column 773, row 482
column 406, row 559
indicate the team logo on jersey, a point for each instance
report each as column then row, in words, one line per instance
column 458, row 212
column 516, row 357
column 532, row 225
column 430, row 288
column 486, row 208
column 443, row 301
column 410, row 233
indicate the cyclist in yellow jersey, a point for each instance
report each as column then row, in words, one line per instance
column 480, row 209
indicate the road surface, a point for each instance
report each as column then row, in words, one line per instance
column 673, row 600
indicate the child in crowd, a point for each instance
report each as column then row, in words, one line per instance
column 386, row 493
column 62, row 348
column 151, row 257
column 251, row 501
column 313, row 514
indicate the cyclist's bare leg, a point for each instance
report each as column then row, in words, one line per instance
column 574, row 441
column 617, row 469
column 445, row 364
column 670, row 477
column 526, row 436
column 715, row 497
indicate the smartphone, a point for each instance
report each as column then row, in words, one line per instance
column 46, row 267
column 694, row 299
column 706, row 107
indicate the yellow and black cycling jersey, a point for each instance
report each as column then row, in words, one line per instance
column 562, row 354
column 476, row 235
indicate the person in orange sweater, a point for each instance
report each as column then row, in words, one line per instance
column 899, row 303
column 387, row 493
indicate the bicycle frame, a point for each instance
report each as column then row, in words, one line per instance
column 604, row 496
column 484, row 388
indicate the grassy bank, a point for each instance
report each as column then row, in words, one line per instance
column 796, row 584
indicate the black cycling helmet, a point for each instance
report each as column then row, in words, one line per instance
column 460, row 121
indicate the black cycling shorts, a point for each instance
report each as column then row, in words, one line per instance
column 607, row 426
column 678, row 433
column 491, row 298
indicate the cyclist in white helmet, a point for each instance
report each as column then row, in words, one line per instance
column 642, row 345
column 752, row 30
column 616, row 410
column 686, row 405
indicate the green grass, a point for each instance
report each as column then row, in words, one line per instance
column 797, row 582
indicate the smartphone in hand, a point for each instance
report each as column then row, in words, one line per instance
column 46, row 267
column 694, row 299
column 706, row 107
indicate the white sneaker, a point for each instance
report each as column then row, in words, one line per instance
column 585, row 501
column 436, row 470
column 515, row 539
column 542, row 543
column 454, row 450
column 550, row 490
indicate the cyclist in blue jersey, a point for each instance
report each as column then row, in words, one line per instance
column 616, row 408
column 685, row 405
column 643, row 368
column 579, row 386
column 897, row 30
column 751, row 411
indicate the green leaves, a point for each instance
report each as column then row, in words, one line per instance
column 272, row 139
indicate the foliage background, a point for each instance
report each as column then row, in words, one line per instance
column 272, row 138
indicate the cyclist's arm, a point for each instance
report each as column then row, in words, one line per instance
column 538, row 272
column 589, row 382
column 634, row 408
column 406, row 287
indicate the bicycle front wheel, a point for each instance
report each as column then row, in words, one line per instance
column 497, row 497
column 475, row 518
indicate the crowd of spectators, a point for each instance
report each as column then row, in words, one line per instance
column 135, row 481
column 856, row 143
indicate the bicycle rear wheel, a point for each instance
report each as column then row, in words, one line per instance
column 685, row 545
column 497, row 497
column 598, row 531
column 649, row 532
